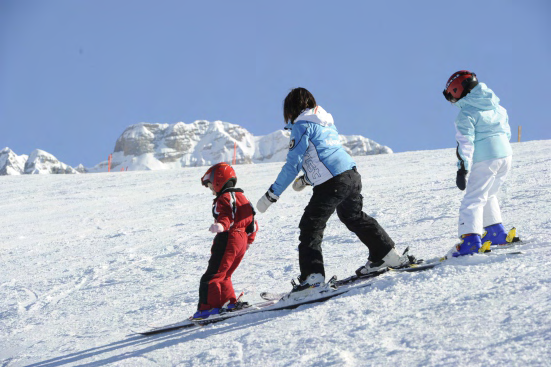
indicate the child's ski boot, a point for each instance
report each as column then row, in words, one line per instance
column 470, row 244
column 496, row 234
column 239, row 305
column 498, row 237
column 204, row 314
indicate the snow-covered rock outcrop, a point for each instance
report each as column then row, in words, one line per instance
column 272, row 147
column 148, row 146
column 164, row 146
column 359, row 145
column 11, row 163
column 41, row 162
column 38, row 162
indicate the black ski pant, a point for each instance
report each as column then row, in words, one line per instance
column 343, row 193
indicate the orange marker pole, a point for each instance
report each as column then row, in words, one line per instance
column 109, row 160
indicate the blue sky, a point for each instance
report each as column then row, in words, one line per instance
column 75, row 74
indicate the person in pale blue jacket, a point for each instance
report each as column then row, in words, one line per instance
column 484, row 151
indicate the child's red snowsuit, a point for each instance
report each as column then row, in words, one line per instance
column 236, row 214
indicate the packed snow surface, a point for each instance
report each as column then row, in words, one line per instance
column 86, row 259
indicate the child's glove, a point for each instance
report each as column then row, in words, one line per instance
column 216, row 228
column 461, row 179
column 251, row 233
column 300, row 183
column 266, row 200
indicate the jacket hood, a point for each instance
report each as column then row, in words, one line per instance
column 316, row 115
column 480, row 97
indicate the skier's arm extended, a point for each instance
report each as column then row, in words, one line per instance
column 297, row 147
column 224, row 208
column 464, row 125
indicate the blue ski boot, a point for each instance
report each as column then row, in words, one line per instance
column 470, row 244
column 204, row 314
column 239, row 305
column 496, row 234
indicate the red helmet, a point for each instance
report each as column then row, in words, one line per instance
column 459, row 85
column 219, row 175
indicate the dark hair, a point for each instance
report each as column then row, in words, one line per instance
column 297, row 101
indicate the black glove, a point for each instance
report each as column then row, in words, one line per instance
column 461, row 179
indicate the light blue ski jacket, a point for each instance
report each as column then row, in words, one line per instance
column 314, row 148
column 482, row 128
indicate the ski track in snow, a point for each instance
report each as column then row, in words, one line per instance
column 85, row 259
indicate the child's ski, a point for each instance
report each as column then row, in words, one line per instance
column 432, row 263
column 215, row 318
column 260, row 307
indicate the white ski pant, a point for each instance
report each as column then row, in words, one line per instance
column 480, row 207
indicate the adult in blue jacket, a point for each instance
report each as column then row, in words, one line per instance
column 483, row 152
column 315, row 149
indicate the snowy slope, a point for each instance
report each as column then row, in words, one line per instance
column 87, row 258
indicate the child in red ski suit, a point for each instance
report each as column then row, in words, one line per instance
column 235, row 230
